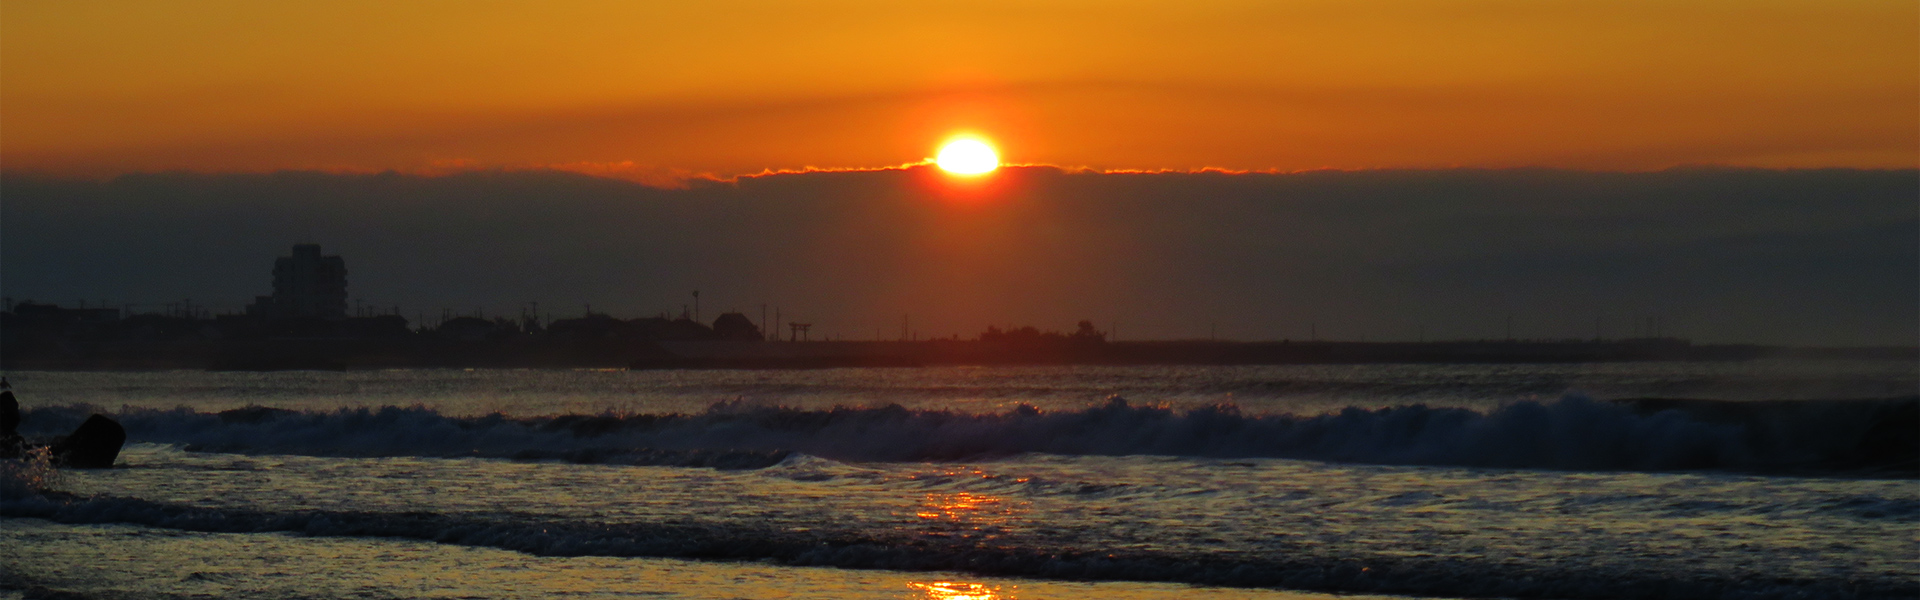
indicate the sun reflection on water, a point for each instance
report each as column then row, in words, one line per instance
column 963, row 506
column 955, row 590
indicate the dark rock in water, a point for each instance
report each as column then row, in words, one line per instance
column 93, row 446
column 11, row 444
column 9, row 413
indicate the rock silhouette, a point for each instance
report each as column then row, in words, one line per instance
column 11, row 444
column 92, row 446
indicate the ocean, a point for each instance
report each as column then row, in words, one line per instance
column 1429, row 481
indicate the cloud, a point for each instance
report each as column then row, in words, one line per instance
column 1110, row 124
column 1799, row 256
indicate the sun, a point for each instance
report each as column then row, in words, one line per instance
column 967, row 156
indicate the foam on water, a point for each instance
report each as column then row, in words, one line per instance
column 1579, row 497
column 846, row 548
column 160, row 563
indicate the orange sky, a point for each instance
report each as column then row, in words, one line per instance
column 646, row 90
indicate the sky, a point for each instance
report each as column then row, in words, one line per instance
column 1738, row 171
column 656, row 91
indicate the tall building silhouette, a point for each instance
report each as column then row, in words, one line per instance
column 305, row 284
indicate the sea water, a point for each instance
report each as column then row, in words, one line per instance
column 1126, row 482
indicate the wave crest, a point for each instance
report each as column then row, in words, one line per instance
column 1573, row 433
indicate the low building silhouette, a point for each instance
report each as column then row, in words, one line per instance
column 306, row 285
column 736, row 326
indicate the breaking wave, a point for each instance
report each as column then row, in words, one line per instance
column 1872, row 437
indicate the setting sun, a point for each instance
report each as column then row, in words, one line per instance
column 1271, row 299
column 968, row 157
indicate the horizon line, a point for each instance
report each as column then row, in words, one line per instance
column 680, row 179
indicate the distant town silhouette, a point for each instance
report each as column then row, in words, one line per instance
column 307, row 323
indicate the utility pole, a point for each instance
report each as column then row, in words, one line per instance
column 763, row 322
column 696, row 306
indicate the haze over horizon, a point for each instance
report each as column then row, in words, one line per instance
column 1718, row 255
